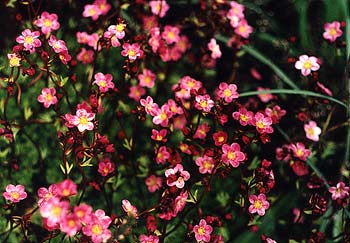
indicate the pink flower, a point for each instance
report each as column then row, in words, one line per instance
column 29, row 40
column 159, row 7
column 64, row 57
column 148, row 239
column 202, row 231
column 48, row 97
column 135, row 92
column 177, row 176
column 262, row 123
column 258, row 204
column 275, row 113
column 105, row 167
column 130, row 209
column 104, row 81
column 162, row 116
column 299, row 151
column 103, row 6
column 57, row 45
column 159, row 136
column 83, row 213
column 97, row 227
column 214, row 48
column 243, row 116
column 47, row 22
column 150, row 107
column 92, row 10
column 14, row 193
column 147, row 78
column 54, row 211
column 180, row 202
column 232, row 154
column 66, row 188
column 332, row 31
column 340, row 191
column 269, row 240
column 83, row 120
column 228, row 92
column 206, row 164
column 46, row 194
column 312, row 131
column 171, row 34
column 203, row 102
column 132, row 51
column 264, row 97
column 15, row 61
column 70, row 224
column 85, row 56
column 307, row 64
column 243, row 29
column 162, row 155
column 220, row 138
column 153, row 183
column 202, row 131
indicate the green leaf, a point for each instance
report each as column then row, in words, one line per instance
column 27, row 113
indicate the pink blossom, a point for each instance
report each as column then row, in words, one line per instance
column 14, row 193
column 275, row 113
column 47, row 22
column 228, row 92
column 115, row 32
column 153, row 183
column 103, row 6
column 162, row 155
column 97, row 227
column 174, row 108
column 262, row 123
column 132, row 51
column 183, row 44
column 130, row 209
column 147, row 78
column 258, row 204
column 220, row 138
column 82, row 37
column 180, row 202
column 269, row 240
column 54, row 211
column 47, row 97
column 162, row 116
column 105, row 167
column 332, row 31
column 148, row 239
column 135, row 92
column 299, row 151
column 70, row 224
column 244, row 116
column 307, row 64
column 237, row 9
column 264, row 97
column 214, row 48
column 92, row 10
column 66, row 188
column 45, row 194
column 64, row 57
column 202, row 131
column 85, row 56
column 312, row 131
column 15, row 61
column 243, row 29
column 57, row 45
column 231, row 154
column 177, row 176
column 104, row 81
column 155, row 39
column 159, row 7
column 159, row 136
column 206, row 164
column 83, row 120
column 204, row 103
column 150, row 107
column 171, row 34
column 202, row 231
column 340, row 191
column 83, row 212
column 29, row 40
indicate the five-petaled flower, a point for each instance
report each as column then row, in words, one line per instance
column 47, row 22
column 228, row 92
column 259, row 204
column 83, row 120
column 204, row 103
column 312, row 131
column 132, row 51
column 340, row 191
column 332, row 31
column 14, row 193
column 103, row 81
column 231, row 154
column 307, row 64
column 177, row 176
column 47, row 97
column 29, row 39
column 202, row 231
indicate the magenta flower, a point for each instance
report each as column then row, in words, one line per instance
column 130, row 209
column 206, row 164
column 47, row 22
column 203, row 103
column 45, row 194
column 220, row 138
column 66, row 188
column 29, row 40
column 258, row 204
column 70, row 224
column 264, row 97
column 54, row 211
column 14, row 193
column 299, row 151
column 57, row 45
column 312, row 131
column 275, row 113
column 83, row 120
column 244, row 116
column 159, row 7
column 180, row 202
column 153, row 183
column 162, row 155
column 48, row 97
column 105, row 167
column 132, row 51
column 162, row 116
column 202, row 131
column 214, row 48
column 340, row 191
column 92, row 10
column 171, row 34
column 159, row 136
column 307, row 64
column 227, row 92
column 231, row 154
column 332, row 31
column 83, row 212
column 177, row 176
column 147, row 78
column 103, row 81
column 262, row 123
column 97, row 227
column 202, row 231
column 243, row 29
column 150, row 107
column 148, row 239
column 85, row 56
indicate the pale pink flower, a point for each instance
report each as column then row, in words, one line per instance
column 132, row 51
column 130, row 209
column 47, row 97
column 45, row 194
column 162, row 116
column 82, row 37
column 150, row 107
column 332, row 31
column 148, row 239
column 340, row 191
column 29, row 40
column 103, row 81
column 259, row 204
column 231, row 154
column 159, row 7
column 203, row 103
column 115, row 33
column 66, row 188
column 47, row 22
column 202, row 131
column 54, row 210
column 14, row 60
column 312, row 131
column 14, row 193
column 57, row 45
column 174, row 108
column 146, row 78
column 237, row 9
column 307, row 64
column 103, row 6
column 262, row 123
column 244, row 116
column 105, row 167
column 243, row 29
column 97, row 227
column 202, row 231
column 70, row 224
column 92, row 10
column 83, row 120
column 264, row 97
column 177, row 176
column 299, row 151
column 214, row 48
column 153, row 183
column 85, row 56
column 228, row 92
column 206, row 164
column 136, row 91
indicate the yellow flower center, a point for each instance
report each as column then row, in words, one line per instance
column 159, row 137
column 227, row 93
column 120, row 27
column 71, row 223
column 299, row 152
column 258, row 204
column 333, row 31
column 207, row 164
column 221, row 139
column 231, row 155
column 15, row 61
column 131, row 53
column 56, row 211
column 47, row 22
column 310, row 131
column 28, row 40
column 83, row 120
column 242, row 29
column 163, row 116
column 49, row 97
column 260, row 124
column 201, row 231
column 243, row 117
column 102, row 83
column 307, row 64
column 203, row 103
column 66, row 192
column 96, row 229
column 92, row 12
column 171, row 35
column 15, row 195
